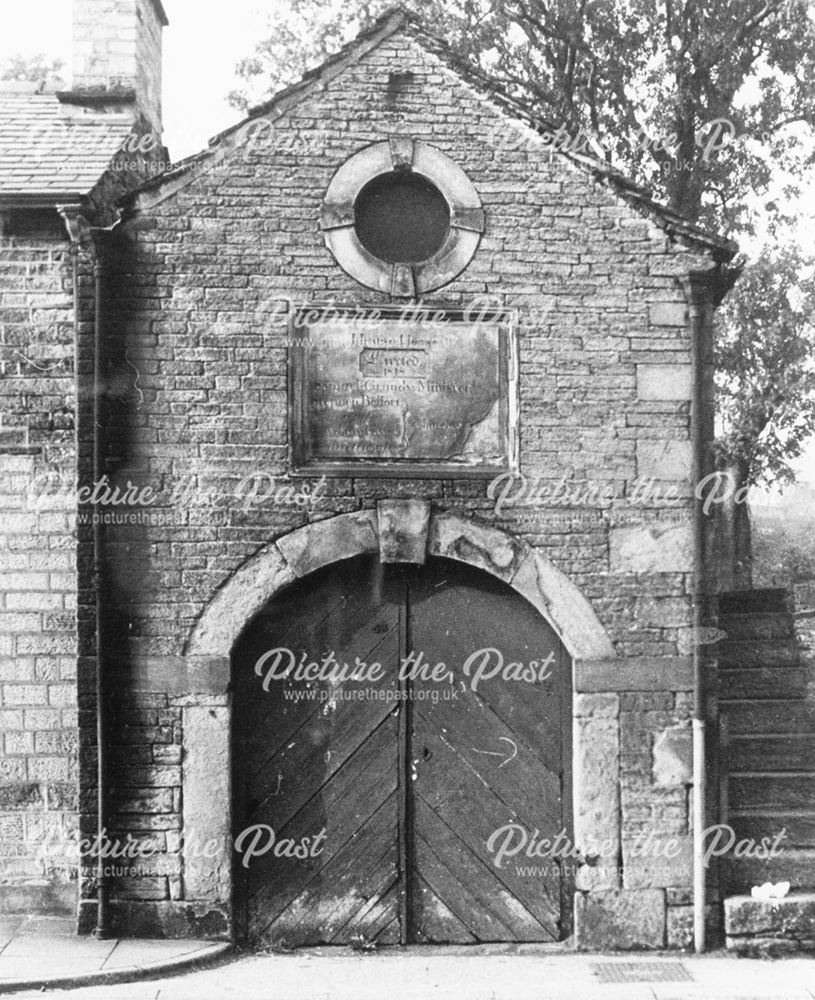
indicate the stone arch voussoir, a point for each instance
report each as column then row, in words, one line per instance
column 401, row 531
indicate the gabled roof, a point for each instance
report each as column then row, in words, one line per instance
column 50, row 151
column 397, row 19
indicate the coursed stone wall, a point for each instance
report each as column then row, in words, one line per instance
column 38, row 556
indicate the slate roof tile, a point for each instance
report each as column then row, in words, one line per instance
column 50, row 148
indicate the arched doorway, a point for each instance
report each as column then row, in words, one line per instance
column 401, row 751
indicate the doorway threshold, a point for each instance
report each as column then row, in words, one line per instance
column 477, row 950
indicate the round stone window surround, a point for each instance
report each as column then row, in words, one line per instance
column 402, row 279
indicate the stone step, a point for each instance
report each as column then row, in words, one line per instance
column 770, row 927
column 771, row 717
column 775, row 625
column 796, row 866
column 770, row 599
column 771, row 792
column 769, row 682
column 757, row 653
column 789, row 829
column 770, row 753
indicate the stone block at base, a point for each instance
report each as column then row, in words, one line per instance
column 770, row 927
column 620, row 920
column 176, row 919
column 679, row 928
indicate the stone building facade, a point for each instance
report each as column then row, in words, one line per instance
column 575, row 493
column 65, row 157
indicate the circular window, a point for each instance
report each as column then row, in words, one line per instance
column 401, row 217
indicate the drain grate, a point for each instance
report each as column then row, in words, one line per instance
column 641, row 972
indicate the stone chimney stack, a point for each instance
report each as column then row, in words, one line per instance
column 117, row 56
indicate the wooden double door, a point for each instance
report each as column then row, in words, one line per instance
column 401, row 750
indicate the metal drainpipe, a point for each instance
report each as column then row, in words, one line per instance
column 695, row 286
column 102, row 910
column 76, row 223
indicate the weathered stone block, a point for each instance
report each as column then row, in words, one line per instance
column 635, row 673
column 403, row 527
column 662, row 612
column 665, row 461
column 20, row 795
column 456, row 537
column 792, row 917
column 50, row 898
column 620, row 920
column 596, row 706
column 673, row 756
column 767, row 947
column 656, row 861
column 651, row 548
column 316, row 545
column 560, row 601
column 667, row 313
column 679, row 925
column 664, row 382
column 170, row 919
column 597, row 796
column 207, row 791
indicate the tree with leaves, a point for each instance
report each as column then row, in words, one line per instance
column 31, row 69
column 765, row 381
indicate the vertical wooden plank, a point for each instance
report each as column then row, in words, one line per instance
column 403, row 789
column 566, row 789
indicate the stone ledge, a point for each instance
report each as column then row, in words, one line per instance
column 770, row 927
column 43, row 897
column 167, row 919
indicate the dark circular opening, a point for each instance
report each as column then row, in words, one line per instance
column 401, row 217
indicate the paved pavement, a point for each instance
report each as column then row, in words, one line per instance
column 503, row 973
column 45, row 950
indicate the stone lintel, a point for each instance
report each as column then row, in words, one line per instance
column 638, row 673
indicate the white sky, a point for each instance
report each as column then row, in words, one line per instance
column 202, row 45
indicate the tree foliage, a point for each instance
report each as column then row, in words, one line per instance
column 31, row 69
column 765, row 368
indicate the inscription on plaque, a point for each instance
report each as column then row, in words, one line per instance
column 381, row 361
column 401, row 395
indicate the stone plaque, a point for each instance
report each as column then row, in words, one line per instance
column 401, row 392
